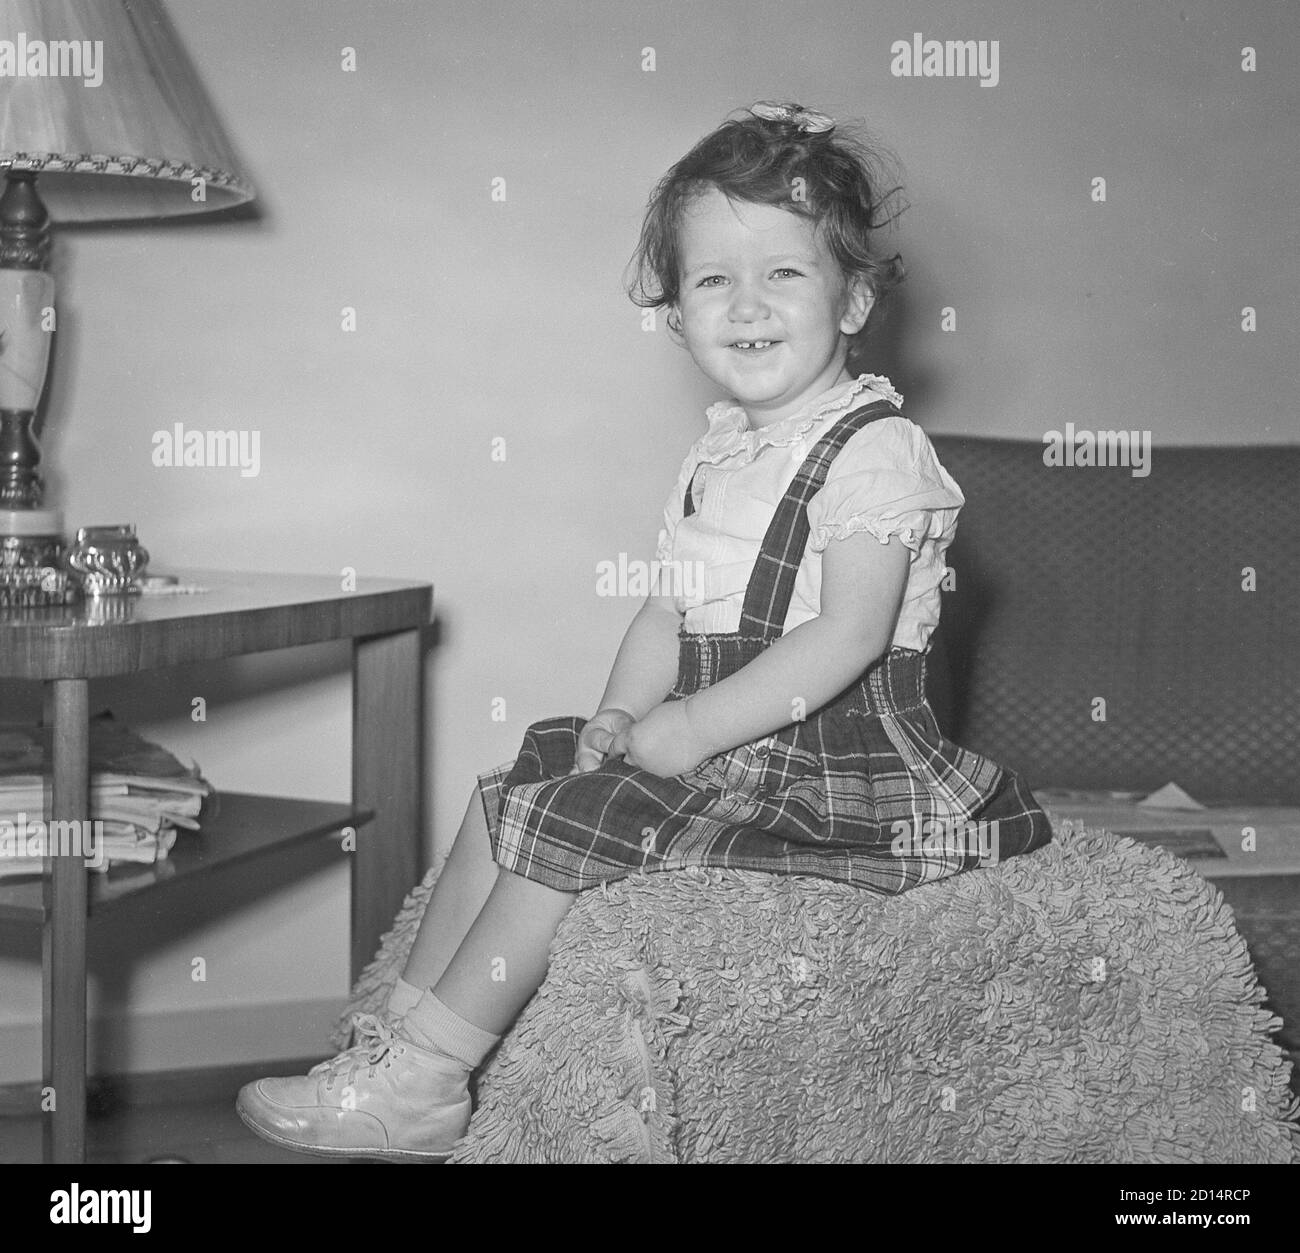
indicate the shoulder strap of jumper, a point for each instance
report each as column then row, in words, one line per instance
column 771, row 585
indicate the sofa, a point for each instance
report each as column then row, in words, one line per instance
column 1094, row 1001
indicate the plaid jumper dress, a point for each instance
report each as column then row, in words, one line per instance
column 865, row 790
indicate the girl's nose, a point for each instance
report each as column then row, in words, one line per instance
column 748, row 303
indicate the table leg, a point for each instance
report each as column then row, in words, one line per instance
column 387, row 776
column 63, row 939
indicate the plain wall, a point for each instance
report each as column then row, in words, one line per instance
column 478, row 320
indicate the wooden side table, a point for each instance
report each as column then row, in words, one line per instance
column 236, row 614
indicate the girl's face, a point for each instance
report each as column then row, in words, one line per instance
column 764, row 307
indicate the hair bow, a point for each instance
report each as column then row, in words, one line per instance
column 807, row 120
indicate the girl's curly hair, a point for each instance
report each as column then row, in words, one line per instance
column 845, row 185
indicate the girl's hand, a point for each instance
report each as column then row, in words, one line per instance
column 663, row 742
column 597, row 736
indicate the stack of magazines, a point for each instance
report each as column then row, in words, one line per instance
column 139, row 796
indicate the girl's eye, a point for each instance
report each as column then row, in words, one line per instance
column 708, row 279
column 787, row 270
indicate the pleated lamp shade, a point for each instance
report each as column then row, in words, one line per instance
column 99, row 99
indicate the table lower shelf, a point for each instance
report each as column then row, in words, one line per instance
column 236, row 827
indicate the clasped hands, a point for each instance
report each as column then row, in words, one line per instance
column 664, row 742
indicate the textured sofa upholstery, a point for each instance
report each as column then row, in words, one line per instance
column 1075, row 583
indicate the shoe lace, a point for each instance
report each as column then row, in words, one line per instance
column 375, row 1039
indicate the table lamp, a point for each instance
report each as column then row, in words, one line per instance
column 102, row 119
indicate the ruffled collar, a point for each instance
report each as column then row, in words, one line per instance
column 729, row 431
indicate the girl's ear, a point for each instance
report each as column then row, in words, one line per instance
column 857, row 305
column 673, row 319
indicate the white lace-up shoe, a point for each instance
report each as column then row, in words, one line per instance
column 385, row 1097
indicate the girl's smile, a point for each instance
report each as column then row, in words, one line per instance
column 764, row 307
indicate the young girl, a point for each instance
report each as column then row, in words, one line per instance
column 774, row 719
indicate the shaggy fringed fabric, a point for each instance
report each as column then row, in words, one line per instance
column 1090, row 1002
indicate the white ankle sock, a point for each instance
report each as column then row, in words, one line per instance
column 402, row 999
column 433, row 1025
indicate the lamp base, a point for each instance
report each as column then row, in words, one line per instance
column 32, row 570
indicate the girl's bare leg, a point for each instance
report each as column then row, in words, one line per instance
column 484, row 939
column 459, row 894
column 503, row 958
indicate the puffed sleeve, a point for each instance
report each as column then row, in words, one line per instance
column 674, row 509
column 886, row 480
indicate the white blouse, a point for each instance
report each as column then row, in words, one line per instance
column 886, row 480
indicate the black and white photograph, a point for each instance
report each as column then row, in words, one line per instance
column 648, row 582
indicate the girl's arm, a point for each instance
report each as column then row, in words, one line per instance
column 643, row 673
column 646, row 665
column 862, row 592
